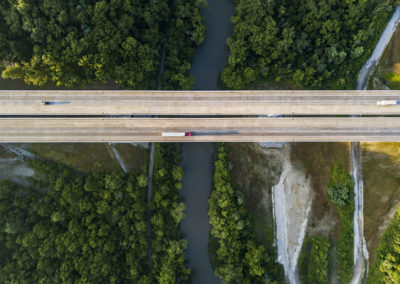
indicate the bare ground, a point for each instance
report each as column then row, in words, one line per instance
column 317, row 160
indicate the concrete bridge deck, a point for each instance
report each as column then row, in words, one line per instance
column 197, row 102
column 204, row 129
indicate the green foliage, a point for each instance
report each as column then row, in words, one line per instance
column 239, row 259
column 341, row 193
column 167, row 245
column 393, row 80
column 310, row 43
column 73, row 228
column 386, row 266
column 341, row 185
column 76, row 42
column 313, row 262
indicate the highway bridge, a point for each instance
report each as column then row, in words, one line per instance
column 125, row 130
column 197, row 102
column 84, row 116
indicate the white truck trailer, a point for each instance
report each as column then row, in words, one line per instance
column 387, row 103
column 176, row 134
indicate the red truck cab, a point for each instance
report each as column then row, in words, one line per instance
column 188, row 133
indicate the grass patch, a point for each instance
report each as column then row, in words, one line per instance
column 94, row 157
column 135, row 158
column 381, row 174
column 393, row 80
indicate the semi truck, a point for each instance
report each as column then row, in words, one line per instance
column 176, row 134
column 387, row 103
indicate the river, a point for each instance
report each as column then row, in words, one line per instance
column 210, row 58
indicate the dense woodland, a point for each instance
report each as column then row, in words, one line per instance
column 75, row 42
column 74, row 228
column 186, row 31
column 311, row 44
column 385, row 268
column 70, row 227
column 341, row 193
column 236, row 256
column 167, row 245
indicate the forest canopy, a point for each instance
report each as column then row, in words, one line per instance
column 75, row 42
column 235, row 255
column 312, row 44
column 72, row 227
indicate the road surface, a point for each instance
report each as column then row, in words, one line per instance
column 197, row 102
column 124, row 130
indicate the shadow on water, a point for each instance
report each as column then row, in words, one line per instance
column 210, row 59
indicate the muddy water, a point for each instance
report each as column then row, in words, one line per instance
column 196, row 187
column 210, row 58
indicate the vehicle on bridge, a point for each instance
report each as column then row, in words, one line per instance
column 46, row 103
column 176, row 134
column 387, row 103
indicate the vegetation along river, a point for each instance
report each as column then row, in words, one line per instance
column 209, row 61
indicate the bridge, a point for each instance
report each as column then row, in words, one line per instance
column 197, row 102
column 84, row 116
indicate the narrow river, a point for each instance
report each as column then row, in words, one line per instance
column 209, row 60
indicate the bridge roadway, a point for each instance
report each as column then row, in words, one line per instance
column 205, row 129
column 197, row 102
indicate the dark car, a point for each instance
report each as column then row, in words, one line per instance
column 45, row 103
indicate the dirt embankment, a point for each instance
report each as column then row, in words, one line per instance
column 318, row 159
column 266, row 175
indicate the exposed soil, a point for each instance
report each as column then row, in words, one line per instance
column 318, row 159
column 381, row 172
